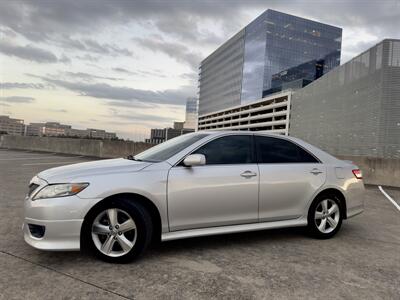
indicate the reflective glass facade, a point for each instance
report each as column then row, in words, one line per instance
column 288, row 41
column 242, row 70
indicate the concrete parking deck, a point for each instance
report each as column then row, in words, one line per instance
column 361, row 262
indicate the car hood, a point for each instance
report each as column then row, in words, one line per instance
column 100, row 167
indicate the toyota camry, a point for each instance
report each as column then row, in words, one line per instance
column 198, row 184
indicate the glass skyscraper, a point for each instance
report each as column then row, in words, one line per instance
column 274, row 52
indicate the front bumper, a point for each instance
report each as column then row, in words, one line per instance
column 59, row 234
column 61, row 218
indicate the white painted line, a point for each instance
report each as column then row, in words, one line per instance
column 51, row 163
column 390, row 198
column 40, row 157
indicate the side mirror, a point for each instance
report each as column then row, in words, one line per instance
column 194, row 160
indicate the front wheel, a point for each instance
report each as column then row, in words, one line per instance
column 118, row 231
column 325, row 217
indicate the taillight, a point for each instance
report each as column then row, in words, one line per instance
column 357, row 173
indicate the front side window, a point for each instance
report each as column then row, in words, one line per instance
column 234, row 149
column 276, row 150
column 169, row 148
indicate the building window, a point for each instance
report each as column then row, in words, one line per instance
column 394, row 54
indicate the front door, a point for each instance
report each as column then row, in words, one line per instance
column 222, row 192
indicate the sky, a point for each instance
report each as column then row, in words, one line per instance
column 128, row 66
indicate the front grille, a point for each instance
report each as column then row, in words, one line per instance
column 32, row 188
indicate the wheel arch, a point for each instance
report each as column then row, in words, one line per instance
column 144, row 201
column 339, row 194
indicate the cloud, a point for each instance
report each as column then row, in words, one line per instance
column 125, row 71
column 179, row 52
column 17, row 99
column 144, row 118
column 21, row 85
column 91, row 46
column 88, row 57
column 151, row 73
column 89, row 77
column 28, row 52
column 58, row 110
column 201, row 25
column 132, row 104
column 121, row 93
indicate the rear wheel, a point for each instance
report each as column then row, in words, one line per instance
column 118, row 231
column 325, row 216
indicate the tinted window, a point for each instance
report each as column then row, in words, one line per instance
column 169, row 148
column 275, row 150
column 234, row 149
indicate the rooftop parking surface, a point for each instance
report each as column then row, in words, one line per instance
column 362, row 261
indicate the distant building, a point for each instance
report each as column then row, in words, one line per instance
column 100, row 134
column 34, row 129
column 11, row 126
column 191, row 113
column 158, row 135
column 354, row 110
column 241, row 70
column 57, row 129
column 179, row 125
column 79, row 133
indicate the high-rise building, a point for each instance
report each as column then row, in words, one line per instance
column 354, row 110
column 191, row 113
column 242, row 70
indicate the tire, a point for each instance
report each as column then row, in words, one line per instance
column 117, row 231
column 325, row 216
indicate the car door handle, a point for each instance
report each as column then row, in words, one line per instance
column 248, row 174
column 315, row 171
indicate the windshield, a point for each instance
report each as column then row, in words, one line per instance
column 169, row 148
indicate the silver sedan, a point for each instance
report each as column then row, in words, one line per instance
column 197, row 184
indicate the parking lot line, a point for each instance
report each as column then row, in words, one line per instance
column 390, row 198
column 52, row 163
column 32, row 158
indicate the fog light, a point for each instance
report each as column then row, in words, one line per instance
column 37, row 231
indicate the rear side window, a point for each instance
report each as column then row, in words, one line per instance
column 234, row 149
column 275, row 150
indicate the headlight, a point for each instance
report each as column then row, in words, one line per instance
column 60, row 190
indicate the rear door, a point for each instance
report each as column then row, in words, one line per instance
column 289, row 177
column 222, row 192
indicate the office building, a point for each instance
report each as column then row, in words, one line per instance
column 241, row 71
column 354, row 110
column 158, row 135
column 100, row 134
column 11, row 126
column 56, row 129
column 191, row 113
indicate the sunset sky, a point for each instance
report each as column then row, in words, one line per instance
column 128, row 66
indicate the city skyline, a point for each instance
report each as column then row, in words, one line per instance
column 129, row 67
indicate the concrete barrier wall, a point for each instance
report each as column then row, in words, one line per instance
column 87, row 147
column 379, row 171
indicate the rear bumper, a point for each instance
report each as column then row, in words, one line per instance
column 355, row 194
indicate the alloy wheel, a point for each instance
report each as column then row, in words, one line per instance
column 114, row 232
column 327, row 215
